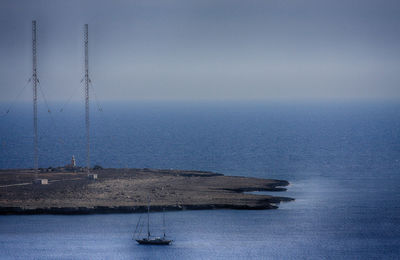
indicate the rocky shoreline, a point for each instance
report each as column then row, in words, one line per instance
column 129, row 190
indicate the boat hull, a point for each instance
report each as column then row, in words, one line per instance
column 160, row 242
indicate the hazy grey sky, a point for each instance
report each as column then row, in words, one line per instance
column 183, row 49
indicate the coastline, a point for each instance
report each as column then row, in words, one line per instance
column 128, row 191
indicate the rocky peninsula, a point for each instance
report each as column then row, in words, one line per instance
column 129, row 190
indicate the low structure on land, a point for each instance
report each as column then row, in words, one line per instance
column 41, row 181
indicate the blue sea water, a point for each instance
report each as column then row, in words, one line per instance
column 342, row 160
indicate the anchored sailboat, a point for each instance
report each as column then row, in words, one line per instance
column 150, row 240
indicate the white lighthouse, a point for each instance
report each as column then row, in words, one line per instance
column 73, row 162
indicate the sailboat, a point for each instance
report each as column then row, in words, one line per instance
column 150, row 240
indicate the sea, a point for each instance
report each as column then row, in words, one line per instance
column 342, row 159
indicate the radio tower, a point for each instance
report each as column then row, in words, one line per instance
column 34, row 83
column 87, row 81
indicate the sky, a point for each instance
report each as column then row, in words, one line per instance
column 203, row 50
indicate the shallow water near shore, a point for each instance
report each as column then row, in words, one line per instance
column 342, row 161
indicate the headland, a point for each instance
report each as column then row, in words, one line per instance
column 129, row 190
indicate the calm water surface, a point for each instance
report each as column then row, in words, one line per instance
column 342, row 160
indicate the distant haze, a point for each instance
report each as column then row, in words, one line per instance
column 204, row 50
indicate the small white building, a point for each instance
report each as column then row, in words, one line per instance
column 92, row 176
column 41, row 181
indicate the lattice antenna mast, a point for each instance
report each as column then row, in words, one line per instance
column 34, row 83
column 87, row 81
